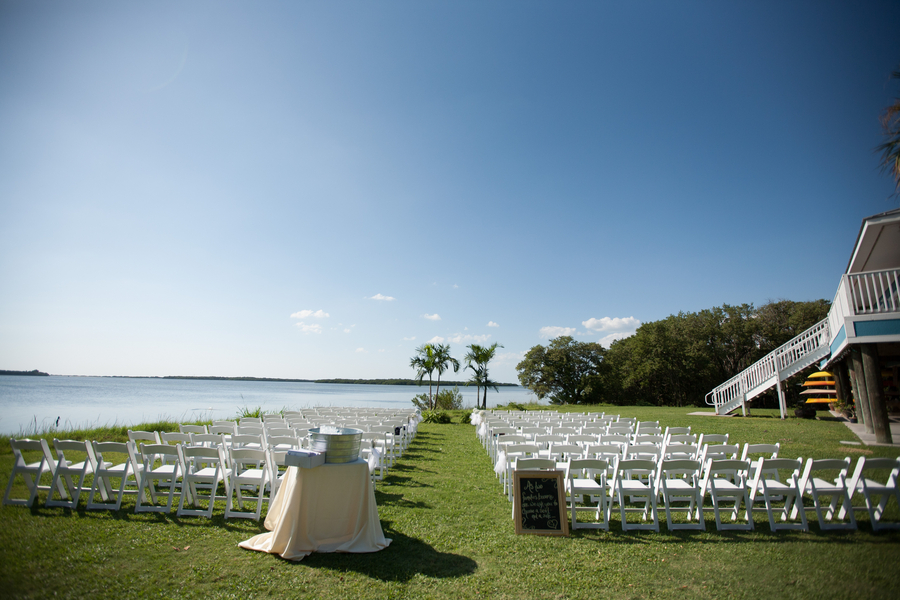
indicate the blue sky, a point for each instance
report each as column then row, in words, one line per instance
column 314, row 189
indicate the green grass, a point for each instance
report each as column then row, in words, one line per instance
column 453, row 538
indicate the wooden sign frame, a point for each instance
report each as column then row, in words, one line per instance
column 558, row 508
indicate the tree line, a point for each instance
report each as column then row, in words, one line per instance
column 672, row 362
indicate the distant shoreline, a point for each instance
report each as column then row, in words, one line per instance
column 272, row 379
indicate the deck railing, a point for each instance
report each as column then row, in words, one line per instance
column 873, row 292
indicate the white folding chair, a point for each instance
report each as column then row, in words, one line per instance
column 250, row 471
column 508, row 457
column 817, row 484
column 679, row 482
column 205, row 469
column 581, row 480
column 107, row 471
column 168, row 472
column 774, row 489
column 31, row 472
column 192, row 428
column 876, row 477
column 727, row 480
column 753, row 452
column 526, row 464
column 66, row 469
column 632, row 489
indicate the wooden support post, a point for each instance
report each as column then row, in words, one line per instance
column 875, row 391
column 859, row 386
column 781, row 403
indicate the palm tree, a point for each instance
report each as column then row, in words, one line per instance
column 477, row 359
column 890, row 149
column 442, row 361
column 424, row 363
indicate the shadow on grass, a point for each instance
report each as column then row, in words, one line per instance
column 398, row 500
column 400, row 562
column 711, row 536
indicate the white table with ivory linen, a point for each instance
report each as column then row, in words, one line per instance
column 330, row 508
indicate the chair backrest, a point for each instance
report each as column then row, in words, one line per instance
column 719, row 452
column 793, row 466
column 649, row 452
column 620, row 439
column 243, row 440
column 544, row 440
column 230, row 429
column 528, row 450
column 670, row 431
column 28, row 445
column 101, row 448
column 144, row 436
column 250, row 430
column 582, row 439
column 149, row 452
column 732, row 469
column 170, row 437
column 277, row 431
column 199, row 457
column 250, row 421
column 192, row 428
column 285, row 440
column 712, row 438
column 591, row 467
column 505, row 440
column 243, row 459
column 675, row 451
column 751, row 451
column 530, row 464
column 594, row 430
column 682, row 438
column 567, row 430
column 564, row 451
column 680, row 469
column 210, row 440
column 70, row 446
column 642, row 438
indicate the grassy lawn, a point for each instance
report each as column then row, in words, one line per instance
column 453, row 538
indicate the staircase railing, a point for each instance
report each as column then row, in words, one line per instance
column 781, row 363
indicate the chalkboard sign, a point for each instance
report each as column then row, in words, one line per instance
column 539, row 499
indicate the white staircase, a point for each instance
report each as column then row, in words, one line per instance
column 804, row 350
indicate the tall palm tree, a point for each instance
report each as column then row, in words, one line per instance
column 890, row 149
column 423, row 362
column 443, row 361
column 477, row 359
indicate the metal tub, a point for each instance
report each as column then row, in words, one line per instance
column 340, row 444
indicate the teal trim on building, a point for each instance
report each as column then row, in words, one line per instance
column 838, row 339
column 885, row 327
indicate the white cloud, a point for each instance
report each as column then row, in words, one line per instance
column 492, row 324
column 362, row 350
column 380, row 297
column 459, row 338
column 319, row 314
column 409, row 339
column 455, row 286
column 609, row 339
column 434, row 317
column 313, row 328
column 382, row 350
column 347, row 330
column 614, row 324
column 436, row 340
column 550, row 331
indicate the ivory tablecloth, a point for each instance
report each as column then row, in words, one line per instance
column 330, row 508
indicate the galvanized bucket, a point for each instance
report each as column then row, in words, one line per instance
column 340, row 444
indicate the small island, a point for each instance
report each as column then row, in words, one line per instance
column 34, row 373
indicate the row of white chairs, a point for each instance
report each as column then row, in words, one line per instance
column 786, row 489
column 150, row 471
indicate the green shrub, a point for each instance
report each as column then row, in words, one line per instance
column 436, row 416
column 446, row 399
column 466, row 417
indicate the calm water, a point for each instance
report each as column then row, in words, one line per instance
column 29, row 403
